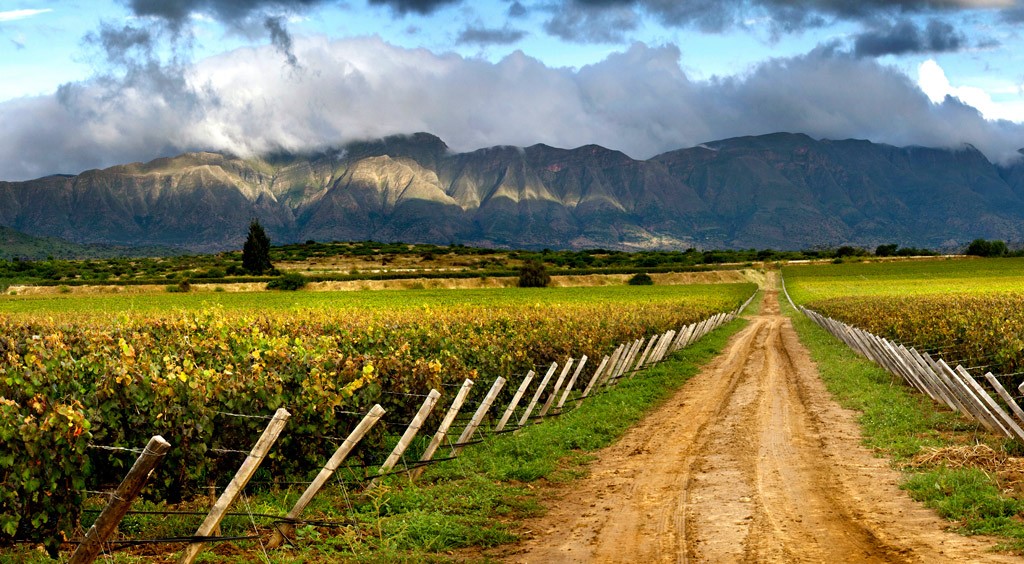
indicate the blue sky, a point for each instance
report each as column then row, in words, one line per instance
column 87, row 84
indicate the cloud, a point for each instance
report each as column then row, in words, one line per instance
column 489, row 36
column 934, row 83
column 281, row 39
column 639, row 101
column 905, row 36
column 578, row 23
column 423, row 7
column 12, row 15
column 517, row 10
column 783, row 16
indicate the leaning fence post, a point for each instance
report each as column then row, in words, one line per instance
column 536, row 396
column 369, row 420
column 515, row 401
column 120, row 501
column 572, row 382
column 408, row 436
column 478, row 416
column 442, row 430
column 242, row 477
column 558, row 386
column 593, row 380
column 1003, row 394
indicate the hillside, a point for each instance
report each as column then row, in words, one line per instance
column 781, row 191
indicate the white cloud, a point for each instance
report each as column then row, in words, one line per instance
column 935, row 84
column 11, row 15
column 639, row 101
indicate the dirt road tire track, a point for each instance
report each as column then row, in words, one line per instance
column 751, row 461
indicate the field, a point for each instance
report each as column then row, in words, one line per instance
column 970, row 312
column 112, row 371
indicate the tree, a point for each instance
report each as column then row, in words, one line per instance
column 533, row 274
column 256, row 251
column 984, row 248
column 641, row 279
column 886, row 250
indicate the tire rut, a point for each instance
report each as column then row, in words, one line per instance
column 751, row 461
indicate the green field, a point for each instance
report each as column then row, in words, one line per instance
column 808, row 283
column 368, row 299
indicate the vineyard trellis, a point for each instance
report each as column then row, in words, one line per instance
column 954, row 387
column 625, row 361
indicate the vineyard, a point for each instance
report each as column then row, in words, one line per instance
column 77, row 388
column 970, row 312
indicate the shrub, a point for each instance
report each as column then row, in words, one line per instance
column 182, row 287
column 641, row 279
column 289, row 281
column 534, row 274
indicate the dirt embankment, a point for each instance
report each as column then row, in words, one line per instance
column 750, row 462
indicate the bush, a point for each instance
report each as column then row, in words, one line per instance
column 534, row 274
column 290, row 281
column 641, row 279
column 182, row 287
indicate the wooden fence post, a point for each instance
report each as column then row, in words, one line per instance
column 536, row 396
column 408, row 435
column 593, row 380
column 442, row 429
column 237, row 484
column 515, row 401
column 558, row 386
column 647, row 351
column 120, row 501
column 613, row 364
column 572, row 382
column 1003, row 394
column 478, row 416
column 350, row 442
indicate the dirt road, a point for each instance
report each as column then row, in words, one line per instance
column 750, row 462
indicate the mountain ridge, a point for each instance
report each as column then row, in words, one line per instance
column 781, row 190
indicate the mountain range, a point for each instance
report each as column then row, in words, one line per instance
column 781, row 191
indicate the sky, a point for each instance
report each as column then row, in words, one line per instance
column 93, row 83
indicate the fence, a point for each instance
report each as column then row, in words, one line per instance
column 954, row 387
column 566, row 392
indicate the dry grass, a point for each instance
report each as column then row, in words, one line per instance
column 1008, row 470
column 667, row 279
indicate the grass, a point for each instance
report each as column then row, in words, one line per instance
column 904, row 278
column 459, row 507
column 898, row 423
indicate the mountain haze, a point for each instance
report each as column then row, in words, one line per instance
column 781, row 191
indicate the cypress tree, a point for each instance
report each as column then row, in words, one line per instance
column 256, row 251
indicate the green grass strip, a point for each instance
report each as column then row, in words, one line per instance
column 897, row 423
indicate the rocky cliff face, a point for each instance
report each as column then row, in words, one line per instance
column 779, row 191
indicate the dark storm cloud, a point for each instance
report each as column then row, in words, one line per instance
column 517, row 10
column 906, row 37
column 402, row 7
column 281, row 39
column 581, row 24
column 478, row 35
column 784, row 16
column 177, row 12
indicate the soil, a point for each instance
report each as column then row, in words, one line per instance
column 751, row 461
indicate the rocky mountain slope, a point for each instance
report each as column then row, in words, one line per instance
column 780, row 191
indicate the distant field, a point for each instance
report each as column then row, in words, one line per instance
column 968, row 311
column 808, row 283
column 373, row 300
